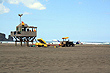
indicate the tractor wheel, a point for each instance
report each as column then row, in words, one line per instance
column 73, row 45
column 68, row 45
column 64, row 45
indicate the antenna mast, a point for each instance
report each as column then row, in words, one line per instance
column 20, row 17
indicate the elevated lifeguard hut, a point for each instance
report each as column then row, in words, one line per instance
column 24, row 33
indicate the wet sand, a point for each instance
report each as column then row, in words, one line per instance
column 78, row 59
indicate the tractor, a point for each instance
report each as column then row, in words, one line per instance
column 65, row 43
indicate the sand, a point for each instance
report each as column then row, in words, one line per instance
column 78, row 59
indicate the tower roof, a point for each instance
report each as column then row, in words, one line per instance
column 25, row 25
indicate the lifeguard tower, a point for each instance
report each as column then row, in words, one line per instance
column 24, row 33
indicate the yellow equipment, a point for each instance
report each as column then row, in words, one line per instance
column 41, row 43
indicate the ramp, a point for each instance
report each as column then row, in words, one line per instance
column 41, row 41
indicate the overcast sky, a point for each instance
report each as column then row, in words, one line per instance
column 84, row 20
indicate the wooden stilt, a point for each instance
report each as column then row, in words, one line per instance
column 21, row 41
column 24, row 41
column 27, row 42
column 15, row 43
column 32, row 42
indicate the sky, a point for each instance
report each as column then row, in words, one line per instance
column 84, row 20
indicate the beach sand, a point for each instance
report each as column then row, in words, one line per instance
column 78, row 59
